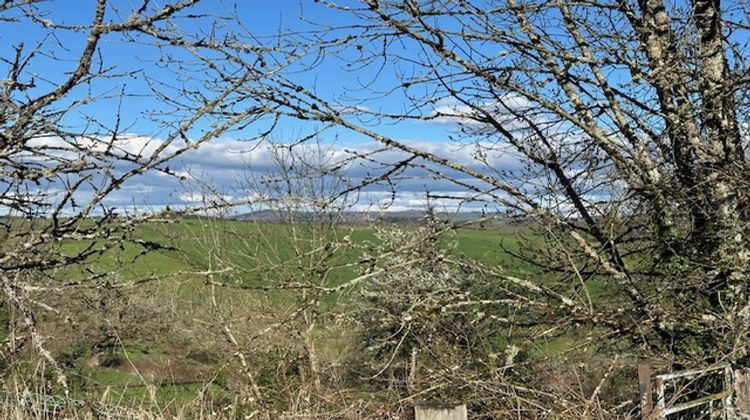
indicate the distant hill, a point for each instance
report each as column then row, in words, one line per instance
column 363, row 216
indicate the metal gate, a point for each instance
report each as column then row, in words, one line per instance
column 691, row 394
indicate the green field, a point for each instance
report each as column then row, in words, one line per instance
column 165, row 365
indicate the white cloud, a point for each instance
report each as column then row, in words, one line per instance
column 199, row 198
column 457, row 113
column 224, row 163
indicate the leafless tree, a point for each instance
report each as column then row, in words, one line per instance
column 629, row 119
column 69, row 139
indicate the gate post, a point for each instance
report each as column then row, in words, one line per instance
column 644, row 389
column 742, row 391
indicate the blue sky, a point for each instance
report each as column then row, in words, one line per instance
column 227, row 158
column 264, row 18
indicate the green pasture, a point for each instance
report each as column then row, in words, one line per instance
column 251, row 255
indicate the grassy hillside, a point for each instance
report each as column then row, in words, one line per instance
column 166, row 350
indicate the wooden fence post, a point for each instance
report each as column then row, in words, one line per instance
column 742, row 391
column 644, row 389
column 431, row 411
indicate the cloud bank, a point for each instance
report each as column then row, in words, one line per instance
column 226, row 167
